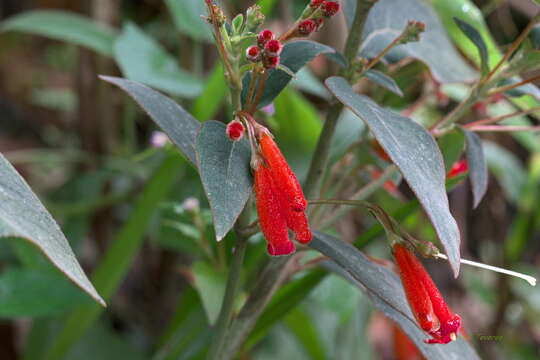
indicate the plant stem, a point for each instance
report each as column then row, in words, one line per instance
column 513, row 47
column 227, row 306
column 322, row 151
column 275, row 271
column 494, row 120
column 513, row 86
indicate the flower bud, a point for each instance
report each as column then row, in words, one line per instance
column 235, row 130
column 458, row 168
column 263, row 37
column 412, row 32
column 273, row 48
column 330, row 8
column 255, row 17
column 307, row 27
column 271, row 62
column 253, row 53
column 316, row 3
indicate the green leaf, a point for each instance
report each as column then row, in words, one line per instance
column 65, row 26
column 306, row 81
column 142, row 59
column 120, row 255
column 211, row 98
column 23, row 216
column 295, row 55
column 507, row 170
column 210, row 283
column 477, row 166
column 385, row 291
column 383, row 80
column 416, row 154
column 467, row 11
column 187, row 18
column 178, row 124
column 27, row 292
column 298, row 122
column 225, row 174
column 452, row 145
column 303, row 328
column 477, row 40
column 386, row 21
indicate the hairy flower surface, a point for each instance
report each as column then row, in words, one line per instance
column 425, row 300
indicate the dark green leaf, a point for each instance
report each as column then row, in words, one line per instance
column 211, row 98
column 65, row 26
column 386, row 21
column 295, row 55
column 416, row 154
column 27, row 292
column 507, row 170
column 383, row 80
column 142, row 59
column 452, row 145
column 477, row 40
column 477, row 166
column 178, row 124
column 225, row 174
column 210, row 284
column 534, row 36
column 23, row 216
column 187, row 18
column 385, row 291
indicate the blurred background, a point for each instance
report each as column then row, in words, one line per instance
column 90, row 154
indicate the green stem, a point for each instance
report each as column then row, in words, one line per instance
column 227, row 306
column 322, row 151
column 275, row 270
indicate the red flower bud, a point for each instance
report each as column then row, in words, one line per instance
column 458, row 168
column 330, row 8
column 271, row 62
column 284, row 177
column 306, row 27
column 316, row 3
column 480, row 108
column 273, row 47
column 425, row 300
column 264, row 36
column 235, row 130
column 253, row 53
column 271, row 217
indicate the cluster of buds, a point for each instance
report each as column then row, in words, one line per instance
column 412, row 32
column 280, row 201
column 266, row 51
column 426, row 302
column 314, row 15
column 458, row 168
column 215, row 13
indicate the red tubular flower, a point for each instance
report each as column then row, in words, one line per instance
column 425, row 300
column 297, row 221
column 283, row 175
column 458, row 168
column 272, row 220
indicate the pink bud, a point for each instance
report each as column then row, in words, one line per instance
column 271, row 62
column 330, row 8
column 264, row 36
column 273, row 47
column 306, row 27
column 235, row 130
column 253, row 53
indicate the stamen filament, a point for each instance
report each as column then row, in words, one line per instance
column 531, row 280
